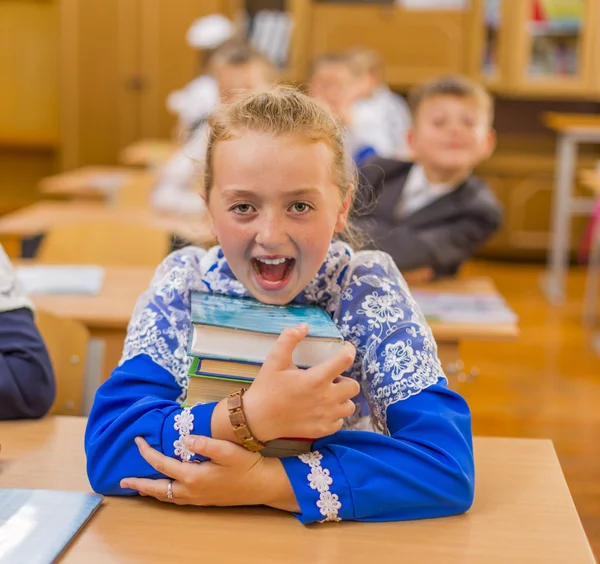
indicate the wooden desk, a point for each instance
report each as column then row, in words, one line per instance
column 41, row 216
column 449, row 335
column 148, row 152
column 572, row 129
column 100, row 183
column 523, row 512
column 107, row 314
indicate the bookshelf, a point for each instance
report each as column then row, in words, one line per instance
column 536, row 48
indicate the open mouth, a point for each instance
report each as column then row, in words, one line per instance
column 273, row 271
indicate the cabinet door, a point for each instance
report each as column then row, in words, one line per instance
column 415, row 45
column 554, row 47
column 100, row 89
column 167, row 62
column 488, row 53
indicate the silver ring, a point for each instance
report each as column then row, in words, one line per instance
column 170, row 490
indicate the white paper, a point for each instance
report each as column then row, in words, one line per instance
column 434, row 4
column 69, row 279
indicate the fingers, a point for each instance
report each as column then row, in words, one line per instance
column 280, row 355
column 346, row 388
column 222, row 453
column 338, row 363
column 154, row 488
column 161, row 463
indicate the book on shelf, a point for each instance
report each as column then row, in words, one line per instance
column 232, row 337
column 37, row 525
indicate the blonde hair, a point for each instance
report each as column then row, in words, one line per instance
column 239, row 54
column 285, row 111
column 365, row 60
column 452, row 85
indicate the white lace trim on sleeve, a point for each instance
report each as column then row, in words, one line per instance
column 320, row 479
column 184, row 423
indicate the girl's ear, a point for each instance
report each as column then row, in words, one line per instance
column 342, row 218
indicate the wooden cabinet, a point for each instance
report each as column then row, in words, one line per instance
column 490, row 46
column 536, row 48
column 119, row 60
column 415, row 45
column 524, row 185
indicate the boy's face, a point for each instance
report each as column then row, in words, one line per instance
column 450, row 134
column 235, row 80
column 334, row 85
column 274, row 209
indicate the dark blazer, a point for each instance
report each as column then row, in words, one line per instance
column 26, row 377
column 441, row 235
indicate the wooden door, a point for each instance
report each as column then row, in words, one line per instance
column 101, row 87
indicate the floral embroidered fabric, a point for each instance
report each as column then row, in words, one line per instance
column 363, row 292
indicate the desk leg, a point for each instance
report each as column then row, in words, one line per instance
column 590, row 301
column 449, row 355
column 554, row 279
column 113, row 348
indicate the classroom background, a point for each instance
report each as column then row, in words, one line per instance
column 85, row 126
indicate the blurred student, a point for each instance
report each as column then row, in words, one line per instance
column 432, row 214
column 238, row 69
column 379, row 116
column 334, row 82
column 195, row 102
column 26, row 379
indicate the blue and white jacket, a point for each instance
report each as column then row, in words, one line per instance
column 415, row 462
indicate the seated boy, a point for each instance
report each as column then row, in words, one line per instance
column 433, row 214
column 238, row 69
column 26, row 377
column 334, row 81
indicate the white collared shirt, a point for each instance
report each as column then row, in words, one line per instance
column 419, row 192
column 382, row 122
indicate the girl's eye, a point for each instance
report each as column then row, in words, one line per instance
column 242, row 208
column 300, row 207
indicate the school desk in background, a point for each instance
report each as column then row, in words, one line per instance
column 150, row 153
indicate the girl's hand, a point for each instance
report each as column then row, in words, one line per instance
column 285, row 401
column 233, row 476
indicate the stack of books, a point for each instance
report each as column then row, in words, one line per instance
column 232, row 337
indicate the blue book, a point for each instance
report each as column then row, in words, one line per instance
column 244, row 330
column 37, row 525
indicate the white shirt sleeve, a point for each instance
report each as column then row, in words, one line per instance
column 12, row 295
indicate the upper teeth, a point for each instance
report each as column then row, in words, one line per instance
column 272, row 261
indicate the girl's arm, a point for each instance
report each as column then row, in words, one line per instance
column 138, row 400
column 423, row 469
column 423, row 465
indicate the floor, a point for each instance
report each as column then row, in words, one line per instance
column 546, row 384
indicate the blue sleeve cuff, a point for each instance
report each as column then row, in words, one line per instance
column 320, row 487
column 183, row 422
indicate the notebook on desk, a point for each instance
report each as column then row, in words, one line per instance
column 451, row 307
column 60, row 279
column 37, row 525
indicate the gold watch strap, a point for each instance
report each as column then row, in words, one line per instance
column 235, row 406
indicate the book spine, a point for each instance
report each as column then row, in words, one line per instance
column 210, row 376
